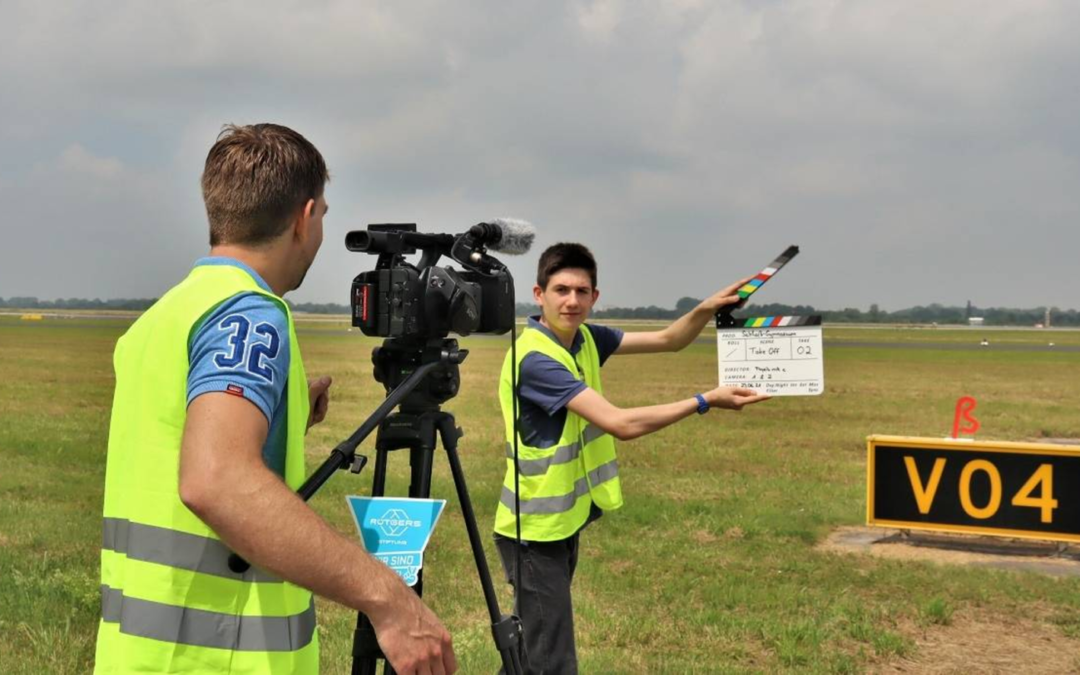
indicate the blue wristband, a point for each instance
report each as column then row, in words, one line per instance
column 702, row 404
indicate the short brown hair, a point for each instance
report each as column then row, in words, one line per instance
column 256, row 178
column 563, row 256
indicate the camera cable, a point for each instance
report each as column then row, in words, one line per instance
column 517, row 483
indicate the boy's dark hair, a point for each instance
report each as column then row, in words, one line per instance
column 565, row 256
column 256, row 178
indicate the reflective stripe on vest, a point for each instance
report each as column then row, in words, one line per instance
column 176, row 549
column 563, row 503
column 562, row 454
column 200, row 628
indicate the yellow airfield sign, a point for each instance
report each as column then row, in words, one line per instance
column 978, row 487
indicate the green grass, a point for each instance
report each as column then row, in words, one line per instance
column 938, row 611
column 709, row 567
column 955, row 335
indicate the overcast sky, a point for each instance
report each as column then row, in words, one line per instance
column 917, row 151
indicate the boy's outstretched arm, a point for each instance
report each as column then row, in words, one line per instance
column 683, row 330
column 629, row 423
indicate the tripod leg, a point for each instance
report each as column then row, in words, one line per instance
column 505, row 629
column 420, row 458
column 365, row 659
column 421, row 455
column 378, row 480
column 366, row 650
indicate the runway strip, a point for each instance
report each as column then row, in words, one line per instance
column 955, row 346
column 941, row 346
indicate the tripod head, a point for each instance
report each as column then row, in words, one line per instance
column 398, row 358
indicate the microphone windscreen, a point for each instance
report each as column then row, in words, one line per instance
column 517, row 235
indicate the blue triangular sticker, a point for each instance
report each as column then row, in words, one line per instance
column 396, row 530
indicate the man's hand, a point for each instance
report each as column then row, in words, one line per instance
column 725, row 296
column 319, row 395
column 733, row 398
column 411, row 637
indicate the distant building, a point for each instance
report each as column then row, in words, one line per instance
column 975, row 320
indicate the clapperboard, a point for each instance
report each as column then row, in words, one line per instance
column 776, row 355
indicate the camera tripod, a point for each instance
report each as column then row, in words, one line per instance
column 418, row 376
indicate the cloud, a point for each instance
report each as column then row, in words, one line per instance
column 926, row 150
column 599, row 19
column 85, row 225
column 77, row 160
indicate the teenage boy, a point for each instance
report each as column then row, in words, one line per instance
column 569, row 474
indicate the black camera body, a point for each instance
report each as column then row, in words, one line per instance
column 401, row 300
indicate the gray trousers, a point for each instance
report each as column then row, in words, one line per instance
column 543, row 601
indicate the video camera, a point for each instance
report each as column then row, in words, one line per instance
column 401, row 300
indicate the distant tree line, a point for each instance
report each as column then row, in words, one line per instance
column 935, row 313
column 137, row 304
column 940, row 314
column 142, row 304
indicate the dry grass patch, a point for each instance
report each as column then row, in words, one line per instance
column 980, row 641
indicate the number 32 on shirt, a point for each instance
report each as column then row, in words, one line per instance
column 246, row 351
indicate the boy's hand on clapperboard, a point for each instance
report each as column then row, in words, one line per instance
column 733, row 398
column 725, row 296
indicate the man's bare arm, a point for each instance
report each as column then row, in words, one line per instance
column 224, row 481
column 629, row 423
column 683, row 330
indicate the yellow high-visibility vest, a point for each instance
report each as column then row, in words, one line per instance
column 557, row 484
column 170, row 603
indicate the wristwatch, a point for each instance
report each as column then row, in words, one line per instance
column 702, row 404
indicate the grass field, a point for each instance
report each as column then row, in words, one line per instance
column 710, row 567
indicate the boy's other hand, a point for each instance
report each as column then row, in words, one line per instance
column 733, row 398
column 726, row 296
